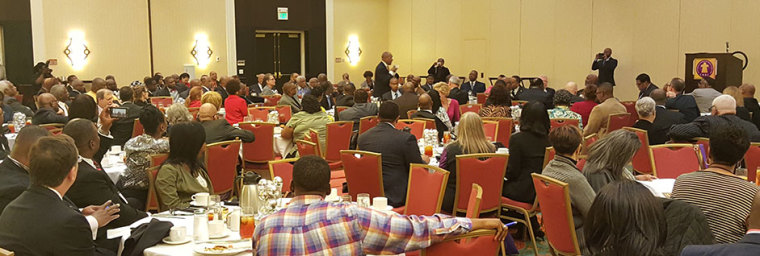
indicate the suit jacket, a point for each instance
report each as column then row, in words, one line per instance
column 382, row 80
column 255, row 93
column 474, row 89
column 439, row 125
column 221, row 130
column 295, row 106
column 606, row 70
column 48, row 116
column 328, row 102
column 94, row 187
column 121, row 130
column 664, row 119
column 459, row 95
column 387, row 95
column 647, row 91
column 753, row 107
column 344, row 100
column 15, row 181
column 704, row 98
column 358, row 111
column 597, row 120
column 222, row 92
column 439, row 73
column 407, row 101
column 426, row 87
column 536, row 94
column 399, row 149
column 685, row 104
column 162, row 92
column 749, row 245
column 38, row 222
column 703, row 125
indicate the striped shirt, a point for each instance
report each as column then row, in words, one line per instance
column 311, row 226
column 725, row 200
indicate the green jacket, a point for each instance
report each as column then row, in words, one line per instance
column 175, row 186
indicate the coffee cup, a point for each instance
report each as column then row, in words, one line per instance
column 115, row 149
column 177, row 233
column 200, row 199
column 380, row 203
column 215, row 228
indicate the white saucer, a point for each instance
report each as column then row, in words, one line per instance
column 193, row 203
column 167, row 241
column 387, row 208
column 222, row 235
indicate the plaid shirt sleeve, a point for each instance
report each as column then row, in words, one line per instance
column 385, row 233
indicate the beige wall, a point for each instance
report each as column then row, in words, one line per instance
column 369, row 25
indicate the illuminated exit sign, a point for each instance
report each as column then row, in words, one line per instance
column 282, row 13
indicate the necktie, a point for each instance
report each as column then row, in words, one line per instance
column 97, row 166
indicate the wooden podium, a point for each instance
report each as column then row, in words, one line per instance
column 725, row 68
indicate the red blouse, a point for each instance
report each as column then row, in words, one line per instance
column 235, row 109
column 584, row 109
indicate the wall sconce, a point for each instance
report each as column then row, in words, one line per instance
column 76, row 51
column 353, row 51
column 201, row 51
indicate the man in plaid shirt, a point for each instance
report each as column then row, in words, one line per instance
column 312, row 226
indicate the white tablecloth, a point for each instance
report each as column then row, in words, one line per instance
column 11, row 139
column 660, row 187
column 113, row 165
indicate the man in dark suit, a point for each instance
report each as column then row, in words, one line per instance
column 383, row 74
column 361, row 108
column 14, row 169
column 47, row 112
column 606, row 66
column 93, row 186
column 407, row 101
column 663, row 119
column 426, row 111
column 439, row 71
column 748, row 92
column 645, row 85
column 646, row 110
column 327, row 97
column 193, row 83
column 289, row 98
column 457, row 93
column 218, row 129
column 748, row 246
column 394, row 92
column 256, row 89
column 398, row 148
column 686, row 104
column 221, row 88
column 536, row 93
column 75, row 88
column 121, row 130
column 473, row 86
column 41, row 221
column 429, row 81
column 346, row 96
column 722, row 113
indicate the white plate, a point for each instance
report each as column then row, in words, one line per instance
column 223, row 234
column 167, row 241
column 201, row 249
column 193, row 203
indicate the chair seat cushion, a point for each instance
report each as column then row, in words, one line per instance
column 335, row 165
column 510, row 202
column 337, row 174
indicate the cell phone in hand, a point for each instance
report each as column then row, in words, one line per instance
column 118, row 112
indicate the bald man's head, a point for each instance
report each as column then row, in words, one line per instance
column 425, row 102
column 659, row 96
column 207, row 112
column 748, row 90
column 47, row 100
column 224, row 80
column 408, row 88
column 723, row 105
column 194, row 83
column 571, row 87
column 97, row 84
column 387, row 58
column 49, row 82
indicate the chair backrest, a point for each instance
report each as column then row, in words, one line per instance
column 221, row 164
column 587, row 142
column 4, row 252
column 505, row 129
column 161, row 101
column 482, row 98
column 56, row 131
column 671, row 160
column 557, row 122
column 705, row 142
column 271, row 100
column 424, row 194
column 285, row 113
column 137, row 128
column 410, row 113
column 519, row 102
column 470, row 108
column 158, row 159
column 313, row 137
column 259, row 114
column 554, row 197
column 283, row 169
column 194, row 112
column 477, row 242
column 306, row 148
column 367, row 122
column 752, row 159
column 491, row 129
column 260, row 150
column 548, row 156
column 50, row 127
column 642, row 160
column 630, row 107
column 338, row 138
column 152, row 202
column 618, row 121
column 364, row 173
column 473, row 204
column 429, row 123
column 339, row 109
column 416, row 126
column 486, row 170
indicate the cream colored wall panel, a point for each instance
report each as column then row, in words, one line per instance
column 613, row 23
column 537, row 38
column 424, row 20
column 745, row 35
column 371, row 28
column 400, row 34
column 655, row 42
column 503, row 39
column 705, row 26
column 475, row 57
column 449, row 30
column 572, row 42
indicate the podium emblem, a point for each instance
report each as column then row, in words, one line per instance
column 705, row 67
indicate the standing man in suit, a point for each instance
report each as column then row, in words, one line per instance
column 218, row 129
column 383, row 74
column 407, row 101
column 686, row 104
column 41, row 221
column 361, row 108
column 15, row 168
column 439, row 71
column 393, row 93
column 289, row 98
column 426, row 111
column 606, row 66
column 645, row 85
column 399, row 149
column 473, row 86
column 93, row 186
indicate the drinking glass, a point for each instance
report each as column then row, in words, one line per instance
column 446, row 137
column 345, row 198
column 363, row 200
column 429, row 150
column 247, row 225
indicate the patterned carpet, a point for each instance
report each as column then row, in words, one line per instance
column 527, row 248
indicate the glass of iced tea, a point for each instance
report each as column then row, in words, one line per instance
column 446, row 137
column 429, row 150
column 247, row 225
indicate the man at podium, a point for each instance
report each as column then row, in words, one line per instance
column 606, row 66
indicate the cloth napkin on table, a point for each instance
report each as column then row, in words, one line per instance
column 146, row 235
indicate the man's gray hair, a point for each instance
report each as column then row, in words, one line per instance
column 301, row 78
column 4, row 84
column 60, row 92
column 101, row 94
column 645, row 107
column 455, row 80
column 177, row 113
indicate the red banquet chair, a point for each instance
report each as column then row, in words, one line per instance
column 519, row 102
column 671, row 160
column 482, row 98
column 642, row 160
column 429, row 123
column 491, row 130
column 338, row 138
column 339, row 109
column 410, row 113
column 221, row 164
column 705, row 150
column 306, row 148
column 630, row 107
column 752, row 159
column 557, row 122
column 486, row 170
column 137, row 128
column 618, row 121
column 158, row 159
column 259, row 114
column 416, row 126
column 587, row 142
column 470, row 108
column 152, row 201
column 161, row 101
column 367, row 122
column 424, row 194
column 271, row 100
column 505, row 129
column 557, row 214
column 548, row 156
column 285, row 113
column 283, row 169
column 261, row 150
column 364, row 172
column 313, row 137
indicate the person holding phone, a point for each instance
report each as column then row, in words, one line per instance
column 606, row 66
column 438, row 71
